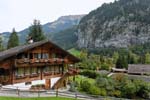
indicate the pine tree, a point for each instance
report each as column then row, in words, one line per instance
column 115, row 57
column 13, row 40
column 35, row 31
column 119, row 62
column 122, row 62
column 133, row 58
column 125, row 62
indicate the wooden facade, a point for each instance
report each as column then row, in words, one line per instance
column 36, row 61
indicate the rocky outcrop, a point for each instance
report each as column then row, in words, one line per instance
column 118, row 24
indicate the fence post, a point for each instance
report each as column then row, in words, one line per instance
column 18, row 91
column 38, row 92
column 76, row 95
column 57, row 93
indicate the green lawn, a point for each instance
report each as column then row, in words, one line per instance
column 40, row 98
column 74, row 52
column 79, row 78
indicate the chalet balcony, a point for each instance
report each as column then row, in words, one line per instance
column 39, row 62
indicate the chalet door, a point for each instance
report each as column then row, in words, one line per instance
column 47, row 84
column 4, row 76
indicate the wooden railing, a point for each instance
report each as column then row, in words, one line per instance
column 26, row 61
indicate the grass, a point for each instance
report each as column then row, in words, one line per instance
column 36, row 98
column 74, row 52
column 79, row 78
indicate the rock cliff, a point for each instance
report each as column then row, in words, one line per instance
column 119, row 24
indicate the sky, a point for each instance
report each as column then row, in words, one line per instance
column 19, row 14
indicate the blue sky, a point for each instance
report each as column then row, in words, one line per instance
column 19, row 14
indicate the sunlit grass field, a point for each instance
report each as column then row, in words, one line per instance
column 74, row 52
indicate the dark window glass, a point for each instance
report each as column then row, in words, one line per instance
column 33, row 70
column 31, row 56
column 37, row 55
column 45, row 56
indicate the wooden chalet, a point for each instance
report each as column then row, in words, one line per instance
column 138, row 69
column 36, row 61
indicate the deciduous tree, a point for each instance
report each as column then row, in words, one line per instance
column 147, row 58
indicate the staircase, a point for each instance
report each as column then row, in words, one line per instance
column 59, row 83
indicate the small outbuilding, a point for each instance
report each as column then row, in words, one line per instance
column 138, row 69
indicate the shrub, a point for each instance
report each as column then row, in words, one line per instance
column 103, row 92
column 120, row 77
column 104, row 75
column 89, row 73
column 105, row 67
column 101, row 82
column 129, row 90
column 144, row 90
column 94, row 90
column 85, row 86
column 104, row 82
column 116, row 93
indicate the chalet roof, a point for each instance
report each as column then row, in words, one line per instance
column 138, row 68
column 19, row 49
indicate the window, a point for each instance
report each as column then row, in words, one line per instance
column 52, row 68
column 53, row 55
column 39, row 70
column 30, row 55
column 19, row 56
column 47, row 69
column 37, row 55
column 27, row 71
column 22, row 55
column 45, row 56
column 33, row 70
column 19, row 72
column 60, row 69
column 2, row 71
column 56, row 69
column 25, row 55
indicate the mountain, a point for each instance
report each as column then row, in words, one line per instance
column 123, row 23
column 67, row 38
column 62, row 23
